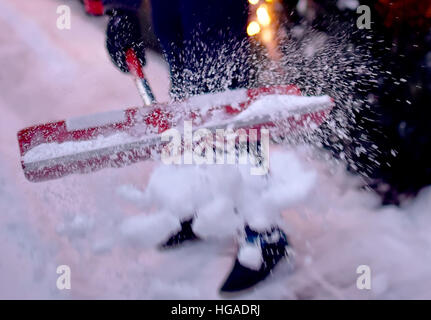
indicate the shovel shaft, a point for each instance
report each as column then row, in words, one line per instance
column 142, row 84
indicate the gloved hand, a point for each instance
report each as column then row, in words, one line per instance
column 124, row 33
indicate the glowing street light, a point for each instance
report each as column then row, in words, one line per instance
column 263, row 16
column 253, row 28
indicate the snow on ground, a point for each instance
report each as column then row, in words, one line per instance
column 94, row 223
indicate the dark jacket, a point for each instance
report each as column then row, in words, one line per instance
column 122, row 4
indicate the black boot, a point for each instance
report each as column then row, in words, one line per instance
column 274, row 247
column 185, row 234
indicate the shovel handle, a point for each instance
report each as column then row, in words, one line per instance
column 142, row 84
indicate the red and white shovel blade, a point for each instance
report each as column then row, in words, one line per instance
column 117, row 139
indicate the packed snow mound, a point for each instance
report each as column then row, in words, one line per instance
column 226, row 98
column 217, row 219
column 276, row 106
column 250, row 256
column 333, row 225
column 149, row 231
column 225, row 197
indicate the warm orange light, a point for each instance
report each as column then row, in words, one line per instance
column 266, row 35
column 263, row 16
column 253, row 28
column 253, row 1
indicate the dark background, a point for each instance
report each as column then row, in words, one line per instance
column 398, row 121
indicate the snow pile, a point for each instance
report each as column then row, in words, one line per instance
column 333, row 225
column 335, row 228
column 217, row 219
column 280, row 106
column 223, row 198
column 149, row 231
column 46, row 151
column 96, row 120
column 204, row 102
column 250, row 256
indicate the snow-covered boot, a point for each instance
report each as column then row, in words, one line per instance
column 257, row 256
column 185, row 234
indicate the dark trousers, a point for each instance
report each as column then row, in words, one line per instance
column 204, row 42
